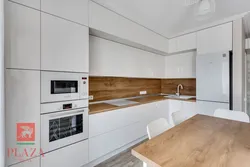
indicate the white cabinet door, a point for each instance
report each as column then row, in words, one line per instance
column 65, row 45
column 182, row 65
column 215, row 39
column 30, row 3
column 105, row 122
column 208, row 108
column 22, row 106
column 22, row 37
column 35, row 162
column 75, row 155
column 182, row 43
column 106, row 21
column 108, row 142
column 105, row 56
column 74, row 10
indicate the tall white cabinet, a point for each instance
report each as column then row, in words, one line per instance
column 64, row 45
column 73, row 10
column 22, row 106
column 22, row 42
column 215, row 39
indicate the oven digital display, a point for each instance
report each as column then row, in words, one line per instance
column 65, row 127
column 63, row 87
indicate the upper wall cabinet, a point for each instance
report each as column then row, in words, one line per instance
column 22, row 42
column 109, row 58
column 74, row 10
column 106, row 21
column 215, row 39
column 30, row 3
column 181, row 65
column 64, row 45
column 182, row 43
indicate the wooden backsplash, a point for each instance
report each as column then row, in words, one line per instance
column 169, row 86
column 107, row 88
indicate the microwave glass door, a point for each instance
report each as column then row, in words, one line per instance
column 64, row 127
column 63, row 87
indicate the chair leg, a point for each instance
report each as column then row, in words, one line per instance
column 144, row 164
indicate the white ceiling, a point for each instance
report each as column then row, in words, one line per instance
column 171, row 17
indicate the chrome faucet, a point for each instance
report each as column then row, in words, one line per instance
column 178, row 89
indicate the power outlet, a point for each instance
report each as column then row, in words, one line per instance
column 143, row 92
column 91, row 97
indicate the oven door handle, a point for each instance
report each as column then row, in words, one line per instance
column 68, row 113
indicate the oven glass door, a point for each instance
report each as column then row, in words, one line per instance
column 63, row 128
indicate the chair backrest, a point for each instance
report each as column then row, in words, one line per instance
column 157, row 127
column 232, row 115
column 181, row 116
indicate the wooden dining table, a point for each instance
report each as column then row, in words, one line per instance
column 201, row 141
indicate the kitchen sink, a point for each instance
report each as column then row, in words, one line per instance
column 180, row 97
column 122, row 102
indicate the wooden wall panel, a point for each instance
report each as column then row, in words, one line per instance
column 107, row 88
column 169, row 86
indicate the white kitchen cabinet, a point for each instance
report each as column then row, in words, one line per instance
column 108, row 142
column 215, row 39
column 182, row 65
column 22, row 106
column 65, row 45
column 74, row 10
column 182, row 43
column 22, row 37
column 108, row 121
column 75, row 155
column 111, row 23
column 30, row 3
column 105, row 56
column 35, row 162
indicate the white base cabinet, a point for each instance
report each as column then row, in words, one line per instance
column 35, row 162
column 22, row 106
column 64, row 46
column 208, row 108
column 75, row 155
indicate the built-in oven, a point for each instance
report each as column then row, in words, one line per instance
column 63, row 124
column 59, row 86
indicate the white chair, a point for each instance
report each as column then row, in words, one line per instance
column 232, row 115
column 181, row 116
column 157, row 127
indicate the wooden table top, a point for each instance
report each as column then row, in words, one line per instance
column 201, row 141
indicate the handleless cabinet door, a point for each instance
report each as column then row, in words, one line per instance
column 22, row 37
column 74, row 10
column 22, row 110
column 30, row 3
column 215, row 39
column 65, row 45
column 35, row 162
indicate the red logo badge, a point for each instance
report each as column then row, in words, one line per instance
column 25, row 132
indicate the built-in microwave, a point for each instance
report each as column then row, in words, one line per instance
column 59, row 86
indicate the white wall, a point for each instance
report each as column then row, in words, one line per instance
column 109, row 58
column 181, row 65
column 2, row 129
